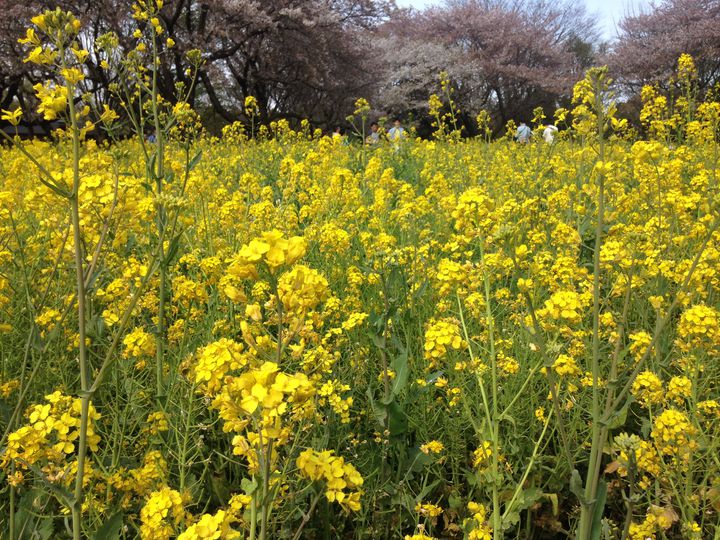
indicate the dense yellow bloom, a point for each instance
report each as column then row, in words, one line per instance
column 565, row 306
column 139, row 344
column 157, row 422
column 674, row 434
column 215, row 360
column 50, row 435
column 679, row 389
column 162, row 515
column 343, row 481
column 272, row 249
column 13, row 117
column 440, row 337
column 8, row 387
column 565, row 366
column 331, row 392
column 53, row 100
column 428, row 510
column 211, row 527
column 482, row 456
column 699, row 325
column 298, row 266
column 648, row 389
column 473, row 212
column 480, row 529
column 433, row 446
column 302, row 288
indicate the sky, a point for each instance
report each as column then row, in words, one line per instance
column 609, row 12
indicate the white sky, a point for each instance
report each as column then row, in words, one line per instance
column 609, row 12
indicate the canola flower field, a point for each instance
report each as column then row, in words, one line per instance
column 290, row 336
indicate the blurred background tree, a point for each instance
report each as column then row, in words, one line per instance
column 313, row 58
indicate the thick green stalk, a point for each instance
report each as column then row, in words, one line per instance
column 12, row 507
column 599, row 431
column 159, row 173
column 266, row 501
column 491, row 409
column 82, row 350
column 253, row 517
column 497, row 518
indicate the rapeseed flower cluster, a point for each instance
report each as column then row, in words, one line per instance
column 477, row 525
column 48, row 439
column 441, row 337
column 342, row 481
column 162, row 515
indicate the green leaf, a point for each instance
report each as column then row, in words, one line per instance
column 419, row 460
column 619, row 418
column 379, row 411
column 599, row 510
column 110, row 530
column 194, row 161
column 151, row 165
column 512, row 519
column 425, row 491
column 172, row 250
column 27, row 523
column 378, row 340
column 576, row 486
column 249, row 486
column 455, row 501
column 400, row 366
column 397, row 421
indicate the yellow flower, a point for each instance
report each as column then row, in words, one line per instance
column 53, row 100
column 428, row 510
column 72, row 75
column 441, row 336
column 679, row 389
column 648, row 389
column 342, row 479
column 108, row 115
column 433, row 446
column 674, row 434
column 13, row 117
column 565, row 366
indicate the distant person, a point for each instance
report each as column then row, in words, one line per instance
column 374, row 136
column 397, row 132
column 337, row 132
column 549, row 133
column 523, row 133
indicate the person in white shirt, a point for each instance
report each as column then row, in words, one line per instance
column 374, row 136
column 397, row 132
column 523, row 133
column 549, row 133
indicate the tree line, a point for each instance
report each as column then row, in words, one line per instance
column 313, row 58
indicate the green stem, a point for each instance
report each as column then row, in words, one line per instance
column 599, row 431
column 81, row 299
column 253, row 516
column 12, row 507
column 159, row 173
column 266, row 502
column 306, row 517
column 521, row 484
